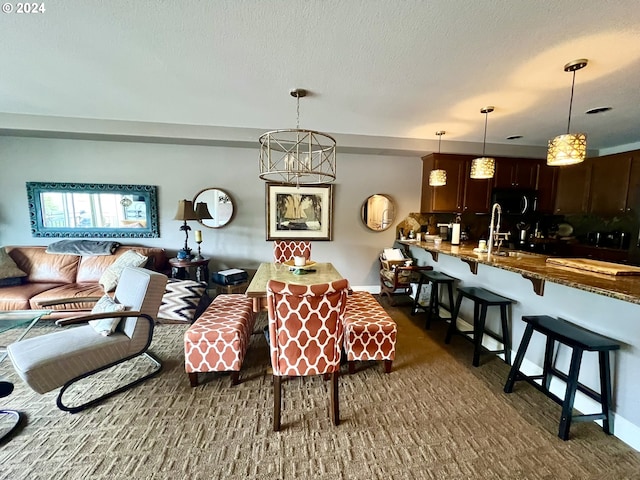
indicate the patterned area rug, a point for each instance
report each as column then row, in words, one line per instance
column 433, row 417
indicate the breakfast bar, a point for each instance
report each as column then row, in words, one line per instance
column 605, row 304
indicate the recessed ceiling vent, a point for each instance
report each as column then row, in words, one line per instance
column 593, row 111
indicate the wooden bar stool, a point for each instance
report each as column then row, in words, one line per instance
column 579, row 340
column 436, row 279
column 482, row 299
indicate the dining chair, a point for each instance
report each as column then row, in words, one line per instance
column 305, row 335
column 284, row 250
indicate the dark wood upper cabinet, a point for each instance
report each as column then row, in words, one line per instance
column 516, row 173
column 449, row 197
column 633, row 195
column 573, row 188
column 461, row 193
column 547, row 186
column 477, row 192
column 601, row 185
column 609, row 183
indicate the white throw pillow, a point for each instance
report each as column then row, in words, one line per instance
column 130, row 258
column 106, row 326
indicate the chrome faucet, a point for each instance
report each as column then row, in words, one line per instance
column 494, row 230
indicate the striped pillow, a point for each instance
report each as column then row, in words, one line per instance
column 180, row 300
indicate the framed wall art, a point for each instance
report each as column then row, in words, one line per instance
column 304, row 212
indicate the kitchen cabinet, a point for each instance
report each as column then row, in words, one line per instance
column 573, row 188
column 528, row 173
column 609, row 185
column 633, row 195
column 601, row 185
column 516, row 173
column 477, row 192
column 461, row 193
column 546, row 185
column 449, row 197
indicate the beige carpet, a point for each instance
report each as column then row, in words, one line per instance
column 433, row 417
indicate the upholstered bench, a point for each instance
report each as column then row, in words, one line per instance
column 369, row 332
column 218, row 340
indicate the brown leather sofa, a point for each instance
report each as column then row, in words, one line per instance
column 53, row 277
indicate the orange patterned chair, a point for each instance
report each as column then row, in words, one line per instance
column 369, row 332
column 305, row 335
column 218, row 340
column 284, row 250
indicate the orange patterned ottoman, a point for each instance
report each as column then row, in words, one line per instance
column 369, row 332
column 219, row 338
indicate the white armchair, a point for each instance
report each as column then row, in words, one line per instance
column 62, row 358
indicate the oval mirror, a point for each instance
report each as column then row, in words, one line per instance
column 219, row 204
column 378, row 212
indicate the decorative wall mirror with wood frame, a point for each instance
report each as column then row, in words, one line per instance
column 220, row 205
column 93, row 210
column 378, row 212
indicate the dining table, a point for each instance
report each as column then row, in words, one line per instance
column 310, row 274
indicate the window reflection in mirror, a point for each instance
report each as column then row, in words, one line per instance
column 220, row 205
column 378, row 212
column 92, row 210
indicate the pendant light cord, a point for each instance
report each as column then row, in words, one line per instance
column 298, row 109
column 484, row 141
column 573, row 82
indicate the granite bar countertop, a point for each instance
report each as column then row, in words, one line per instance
column 534, row 267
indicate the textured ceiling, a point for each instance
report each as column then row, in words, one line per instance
column 385, row 68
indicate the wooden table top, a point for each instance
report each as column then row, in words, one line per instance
column 324, row 273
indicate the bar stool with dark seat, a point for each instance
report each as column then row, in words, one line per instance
column 579, row 340
column 482, row 299
column 433, row 308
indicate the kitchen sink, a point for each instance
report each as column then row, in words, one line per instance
column 516, row 254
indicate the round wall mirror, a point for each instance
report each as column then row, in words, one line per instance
column 219, row 204
column 378, row 212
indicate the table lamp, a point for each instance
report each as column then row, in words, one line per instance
column 185, row 212
column 202, row 212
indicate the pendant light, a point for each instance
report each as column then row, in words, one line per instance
column 483, row 167
column 570, row 148
column 297, row 156
column 438, row 178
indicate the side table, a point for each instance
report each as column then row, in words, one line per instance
column 179, row 268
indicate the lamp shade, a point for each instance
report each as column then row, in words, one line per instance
column 483, row 167
column 202, row 211
column 567, row 149
column 185, row 211
column 438, row 178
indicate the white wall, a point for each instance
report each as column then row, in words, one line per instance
column 180, row 171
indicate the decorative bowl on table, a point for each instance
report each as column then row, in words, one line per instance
column 291, row 264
